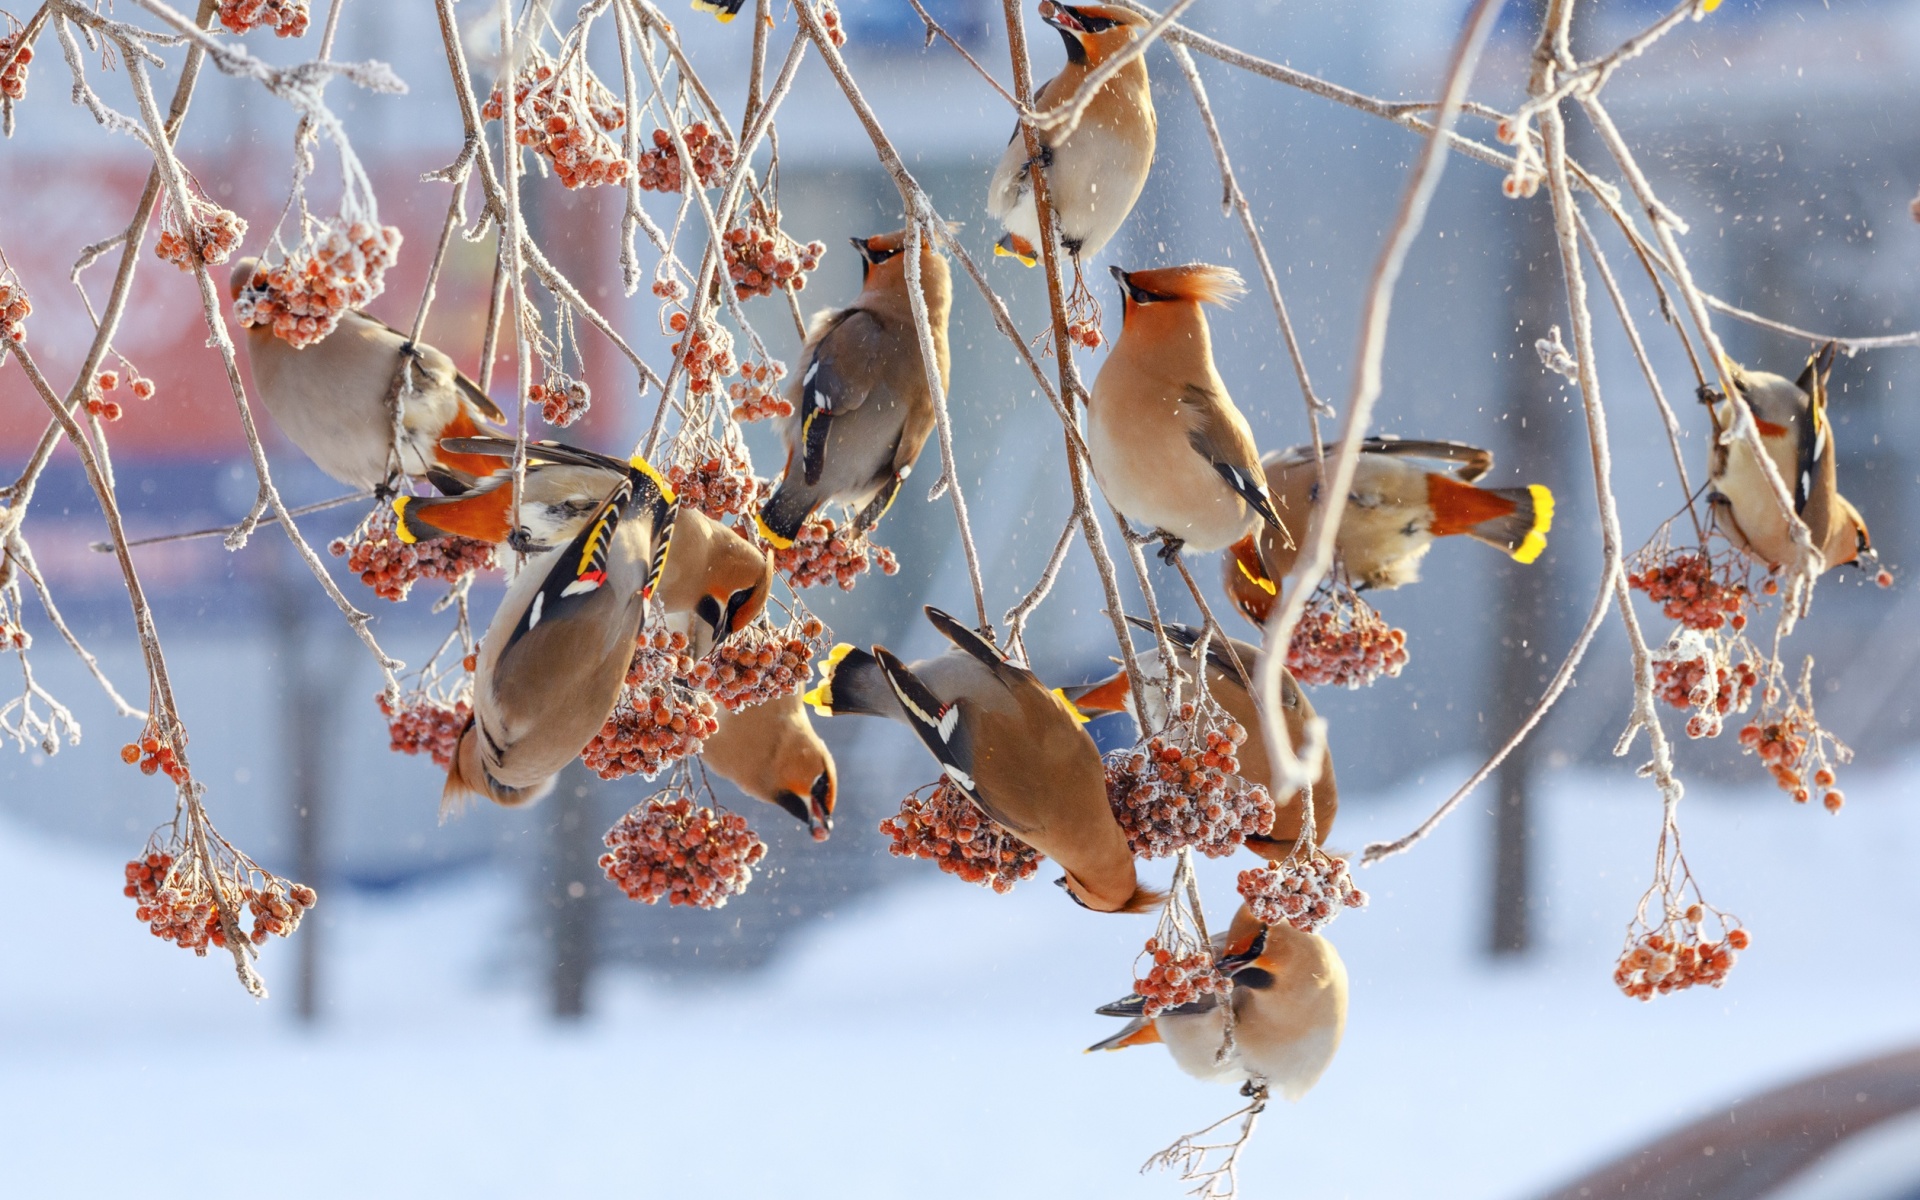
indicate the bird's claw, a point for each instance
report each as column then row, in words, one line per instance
column 1170, row 548
column 1708, row 394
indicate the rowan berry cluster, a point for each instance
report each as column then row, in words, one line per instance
column 288, row 18
column 208, row 233
column 659, row 719
column 1182, row 788
column 423, row 723
column 1305, row 891
column 278, row 908
column 391, row 567
column 177, row 900
column 1341, row 640
column 15, row 308
column 1175, row 978
column 97, row 403
column 823, row 552
column 303, row 299
column 1795, row 751
column 562, row 399
column 669, row 848
column 1691, row 672
column 756, row 394
column 760, row 663
column 1690, row 590
column 708, row 355
column 948, row 829
column 154, row 754
column 1676, row 958
column 718, row 480
column 565, row 118
column 13, row 637
column 829, row 14
column 1083, row 316
column 760, row 259
column 660, row 166
column 13, row 82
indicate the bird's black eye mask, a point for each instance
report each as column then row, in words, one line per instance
column 1138, row 295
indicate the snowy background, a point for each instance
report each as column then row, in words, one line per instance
column 856, row 1025
column 928, row 1042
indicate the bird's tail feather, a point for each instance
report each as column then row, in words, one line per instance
column 781, row 517
column 851, row 683
column 1515, row 520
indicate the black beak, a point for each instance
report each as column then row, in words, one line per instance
column 1117, row 273
column 1061, row 883
column 860, row 244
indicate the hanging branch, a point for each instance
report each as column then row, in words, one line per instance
column 1296, row 772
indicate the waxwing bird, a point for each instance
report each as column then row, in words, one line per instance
column 553, row 660
column 1169, row 448
column 1096, row 170
column 1289, row 1011
column 724, row 11
column 1397, row 506
column 1791, row 416
column 330, row 399
column 862, row 410
column 715, row 574
column 1015, row 748
column 1227, row 688
column 771, row 751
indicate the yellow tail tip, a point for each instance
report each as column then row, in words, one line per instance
column 1531, row 547
column 820, row 697
column 775, row 540
column 1012, row 247
column 659, row 481
column 1078, row 716
column 400, row 520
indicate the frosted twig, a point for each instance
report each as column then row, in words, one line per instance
column 1188, row 1155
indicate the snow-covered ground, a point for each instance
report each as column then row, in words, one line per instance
column 929, row 1045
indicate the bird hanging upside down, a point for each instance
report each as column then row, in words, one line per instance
column 1289, row 1002
column 1791, row 416
column 553, row 659
column 715, row 574
column 1012, row 746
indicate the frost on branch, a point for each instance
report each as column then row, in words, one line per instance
column 941, row 824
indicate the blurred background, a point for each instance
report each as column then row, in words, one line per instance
column 472, row 1007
